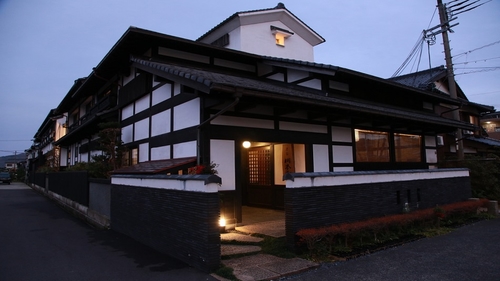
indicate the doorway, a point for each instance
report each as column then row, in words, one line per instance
column 264, row 165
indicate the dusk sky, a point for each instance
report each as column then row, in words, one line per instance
column 46, row 45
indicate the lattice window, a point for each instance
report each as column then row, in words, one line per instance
column 259, row 164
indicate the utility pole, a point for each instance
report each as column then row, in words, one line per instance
column 443, row 16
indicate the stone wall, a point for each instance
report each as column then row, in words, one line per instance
column 175, row 215
column 322, row 199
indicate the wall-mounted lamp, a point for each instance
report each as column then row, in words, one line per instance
column 247, row 144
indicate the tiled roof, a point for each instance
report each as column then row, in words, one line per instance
column 484, row 140
column 288, row 92
column 156, row 167
column 421, row 79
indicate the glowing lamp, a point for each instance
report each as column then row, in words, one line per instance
column 222, row 222
column 246, row 144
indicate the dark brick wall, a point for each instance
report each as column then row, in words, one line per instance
column 181, row 224
column 327, row 205
column 72, row 185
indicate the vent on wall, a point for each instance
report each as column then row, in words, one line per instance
column 222, row 41
column 440, row 140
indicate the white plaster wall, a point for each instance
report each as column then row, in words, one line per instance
column 320, row 158
column 342, row 154
column 142, row 104
column 185, row 149
column 442, row 87
column 431, row 155
column 84, row 157
column 313, row 84
column 234, row 39
column 343, row 169
column 430, row 141
column 162, row 94
column 63, row 156
column 187, row 114
column 160, row 123
column 141, row 129
column 160, row 153
column 294, row 75
column 127, row 111
column 143, row 152
column 341, row 134
column 177, row 89
column 184, row 185
column 277, row 77
column 349, row 179
column 222, row 153
column 301, row 127
column 127, row 134
column 258, row 39
column 243, row 122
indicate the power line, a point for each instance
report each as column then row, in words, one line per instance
column 487, row 93
column 476, row 61
column 476, row 49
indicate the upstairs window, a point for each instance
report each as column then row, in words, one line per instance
column 280, row 35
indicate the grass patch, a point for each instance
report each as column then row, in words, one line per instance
column 436, row 231
column 276, row 247
column 226, row 272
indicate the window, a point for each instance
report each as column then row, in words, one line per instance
column 134, row 159
column 372, row 146
column 407, row 148
column 280, row 35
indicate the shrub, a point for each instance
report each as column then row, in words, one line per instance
column 399, row 224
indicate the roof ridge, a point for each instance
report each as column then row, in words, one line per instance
column 280, row 6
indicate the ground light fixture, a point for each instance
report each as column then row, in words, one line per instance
column 246, row 144
column 222, row 224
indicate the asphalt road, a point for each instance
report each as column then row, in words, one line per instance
column 40, row 241
column 469, row 253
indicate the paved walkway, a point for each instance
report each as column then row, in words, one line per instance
column 469, row 253
column 256, row 265
column 40, row 241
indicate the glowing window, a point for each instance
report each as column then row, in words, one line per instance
column 372, row 146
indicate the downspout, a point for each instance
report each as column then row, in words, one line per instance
column 198, row 135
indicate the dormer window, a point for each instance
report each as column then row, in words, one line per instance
column 280, row 35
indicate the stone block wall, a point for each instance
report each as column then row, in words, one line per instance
column 182, row 223
column 338, row 202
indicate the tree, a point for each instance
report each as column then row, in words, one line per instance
column 110, row 143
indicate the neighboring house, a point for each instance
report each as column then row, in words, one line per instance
column 257, row 110
column 43, row 152
column 435, row 81
column 11, row 162
column 491, row 124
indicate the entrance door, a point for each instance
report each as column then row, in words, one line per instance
column 261, row 190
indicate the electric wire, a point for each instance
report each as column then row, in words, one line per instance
column 476, row 49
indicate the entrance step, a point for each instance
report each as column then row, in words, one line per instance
column 274, row 228
column 232, row 236
column 231, row 250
